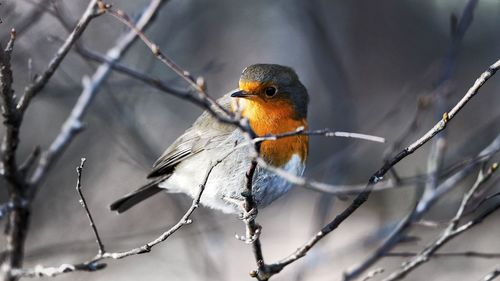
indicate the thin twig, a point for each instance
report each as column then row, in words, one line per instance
column 264, row 272
column 492, row 275
column 373, row 273
column 201, row 97
column 79, row 170
column 453, row 229
column 438, row 147
column 73, row 123
column 421, row 208
column 467, row 254
column 96, row 263
column 432, row 192
column 93, row 10
column 127, row 70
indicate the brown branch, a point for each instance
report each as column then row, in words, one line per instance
column 252, row 228
column 11, row 120
column 79, row 170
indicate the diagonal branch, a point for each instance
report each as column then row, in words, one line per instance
column 453, row 229
column 492, row 275
column 378, row 176
column 93, row 10
column 264, row 271
column 96, row 262
column 73, row 123
column 421, row 208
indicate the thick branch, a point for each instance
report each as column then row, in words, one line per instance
column 492, row 275
column 11, row 120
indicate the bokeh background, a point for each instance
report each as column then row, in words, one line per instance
column 367, row 66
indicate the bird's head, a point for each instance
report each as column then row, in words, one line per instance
column 271, row 90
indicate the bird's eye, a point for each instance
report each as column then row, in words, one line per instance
column 270, row 91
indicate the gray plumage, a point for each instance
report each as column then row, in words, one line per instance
column 183, row 165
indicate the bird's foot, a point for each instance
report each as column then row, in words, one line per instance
column 245, row 215
column 248, row 216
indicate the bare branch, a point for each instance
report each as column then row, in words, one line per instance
column 421, row 208
column 10, row 115
column 141, row 76
column 201, row 97
column 438, row 148
column 252, row 228
column 452, row 231
column 12, row 120
column 467, row 254
column 96, row 263
column 73, row 123
column 32, row 17
column 93, row 10
column 373, row 273
column 376, row 177
column 79, row 170
column 17, row 207
column 492, row 275
column 30, row 161
column 264, row 272
column 323, row 132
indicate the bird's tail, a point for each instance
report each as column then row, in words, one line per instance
column 131, row 199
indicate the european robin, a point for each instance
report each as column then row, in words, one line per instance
column 274, row 101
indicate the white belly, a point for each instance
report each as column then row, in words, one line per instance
column 228, row 180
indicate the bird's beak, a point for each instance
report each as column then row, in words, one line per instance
column 241, row 94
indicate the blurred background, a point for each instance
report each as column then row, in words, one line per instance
column 369, row 67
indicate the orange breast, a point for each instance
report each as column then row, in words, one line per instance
column 275, row 118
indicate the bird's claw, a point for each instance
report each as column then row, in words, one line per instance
column 248, row 216
column 245, row 215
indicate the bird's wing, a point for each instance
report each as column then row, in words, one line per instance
column 206, row 132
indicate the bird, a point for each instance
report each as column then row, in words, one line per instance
column 274, row 101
